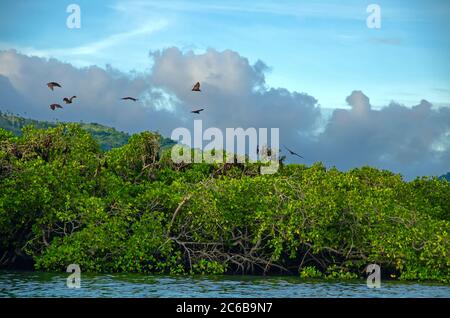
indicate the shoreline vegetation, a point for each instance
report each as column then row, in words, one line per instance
column 64, row 200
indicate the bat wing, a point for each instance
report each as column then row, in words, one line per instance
column 54, row 106
column 290, row 151
column 52, row 85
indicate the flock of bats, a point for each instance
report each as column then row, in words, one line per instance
column 69, row 100
column 195, row 88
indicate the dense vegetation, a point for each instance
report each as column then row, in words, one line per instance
column 106, row 137
column 446, row 177
column 63, row 201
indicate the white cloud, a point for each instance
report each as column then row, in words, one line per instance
column 112, row 40
column 411, row 140
column 86, row 54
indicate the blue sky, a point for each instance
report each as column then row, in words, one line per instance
column 323, row 48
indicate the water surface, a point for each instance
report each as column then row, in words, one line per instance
column 38, row 284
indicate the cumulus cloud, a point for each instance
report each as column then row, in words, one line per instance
column 234, row 93
column 410, row 140
column 98, row 93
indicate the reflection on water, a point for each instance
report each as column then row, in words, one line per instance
column 36, row 284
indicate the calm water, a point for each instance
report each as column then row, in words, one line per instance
column 36, row 284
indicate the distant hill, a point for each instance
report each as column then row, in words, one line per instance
column 446, row 176
column 107, row 137
column 15, row 123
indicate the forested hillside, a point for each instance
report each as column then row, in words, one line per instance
column 106, row 137
column 446, row 176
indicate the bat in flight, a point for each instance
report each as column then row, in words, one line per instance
column 293, row 153
column 54, row 106
column 69, row 100
column 52, row 85
column 197, row 111
column 196, row 87
column 129, row 98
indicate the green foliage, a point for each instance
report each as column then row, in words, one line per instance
column 131, row 209
column 310, row 272
column 445, row 177
column 205, row 267
column 335, row 272
column 106, row 137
